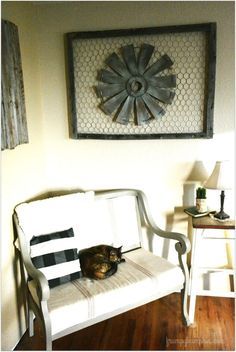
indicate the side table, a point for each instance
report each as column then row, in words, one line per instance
column 200, row 225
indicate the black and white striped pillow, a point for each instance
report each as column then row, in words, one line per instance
column 56, row 255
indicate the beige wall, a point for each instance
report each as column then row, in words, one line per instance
column 52, row 161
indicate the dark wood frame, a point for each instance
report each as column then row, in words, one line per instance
column 210, row 31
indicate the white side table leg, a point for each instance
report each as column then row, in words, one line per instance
column 193, row 273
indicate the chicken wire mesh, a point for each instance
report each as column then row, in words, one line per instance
column 185, row 114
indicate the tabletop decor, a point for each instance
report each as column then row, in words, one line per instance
column 220, row 179
column 201, row 202
column 142, row 83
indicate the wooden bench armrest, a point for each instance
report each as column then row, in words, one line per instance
column 182, row 246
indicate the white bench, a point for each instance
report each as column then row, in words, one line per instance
column 114, row 217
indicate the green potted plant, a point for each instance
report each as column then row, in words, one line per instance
column 201, row 202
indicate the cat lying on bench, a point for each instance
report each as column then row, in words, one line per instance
column 100, row 262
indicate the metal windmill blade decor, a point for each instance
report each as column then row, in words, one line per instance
column 133, row 85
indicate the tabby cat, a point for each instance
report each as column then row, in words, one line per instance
column 100, row 262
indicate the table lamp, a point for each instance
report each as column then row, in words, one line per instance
column 220, row 179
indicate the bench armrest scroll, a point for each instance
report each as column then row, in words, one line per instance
column 183, row 244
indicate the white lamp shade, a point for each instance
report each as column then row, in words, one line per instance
column 220, row 177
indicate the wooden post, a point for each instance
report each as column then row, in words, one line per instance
column 13, row 117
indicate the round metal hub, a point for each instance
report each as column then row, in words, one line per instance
column 136, row 86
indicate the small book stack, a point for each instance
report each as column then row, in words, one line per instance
column 193, row 212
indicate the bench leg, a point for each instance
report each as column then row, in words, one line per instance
column 46, row 326
column 184, row 296
column 192, row 306
column 31, row 322
column 184, row 291
column 48, row 343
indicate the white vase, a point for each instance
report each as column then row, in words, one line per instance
column 201, row 205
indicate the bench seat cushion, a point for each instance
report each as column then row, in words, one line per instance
column 142, row 275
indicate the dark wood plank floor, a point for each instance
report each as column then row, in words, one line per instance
column 154, row 326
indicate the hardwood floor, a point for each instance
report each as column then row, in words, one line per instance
column 154, row 326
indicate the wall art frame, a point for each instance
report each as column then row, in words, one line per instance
column 192, row 49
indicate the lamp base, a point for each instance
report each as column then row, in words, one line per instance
column 221, row 215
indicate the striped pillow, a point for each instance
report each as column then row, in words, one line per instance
column 56, row 255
